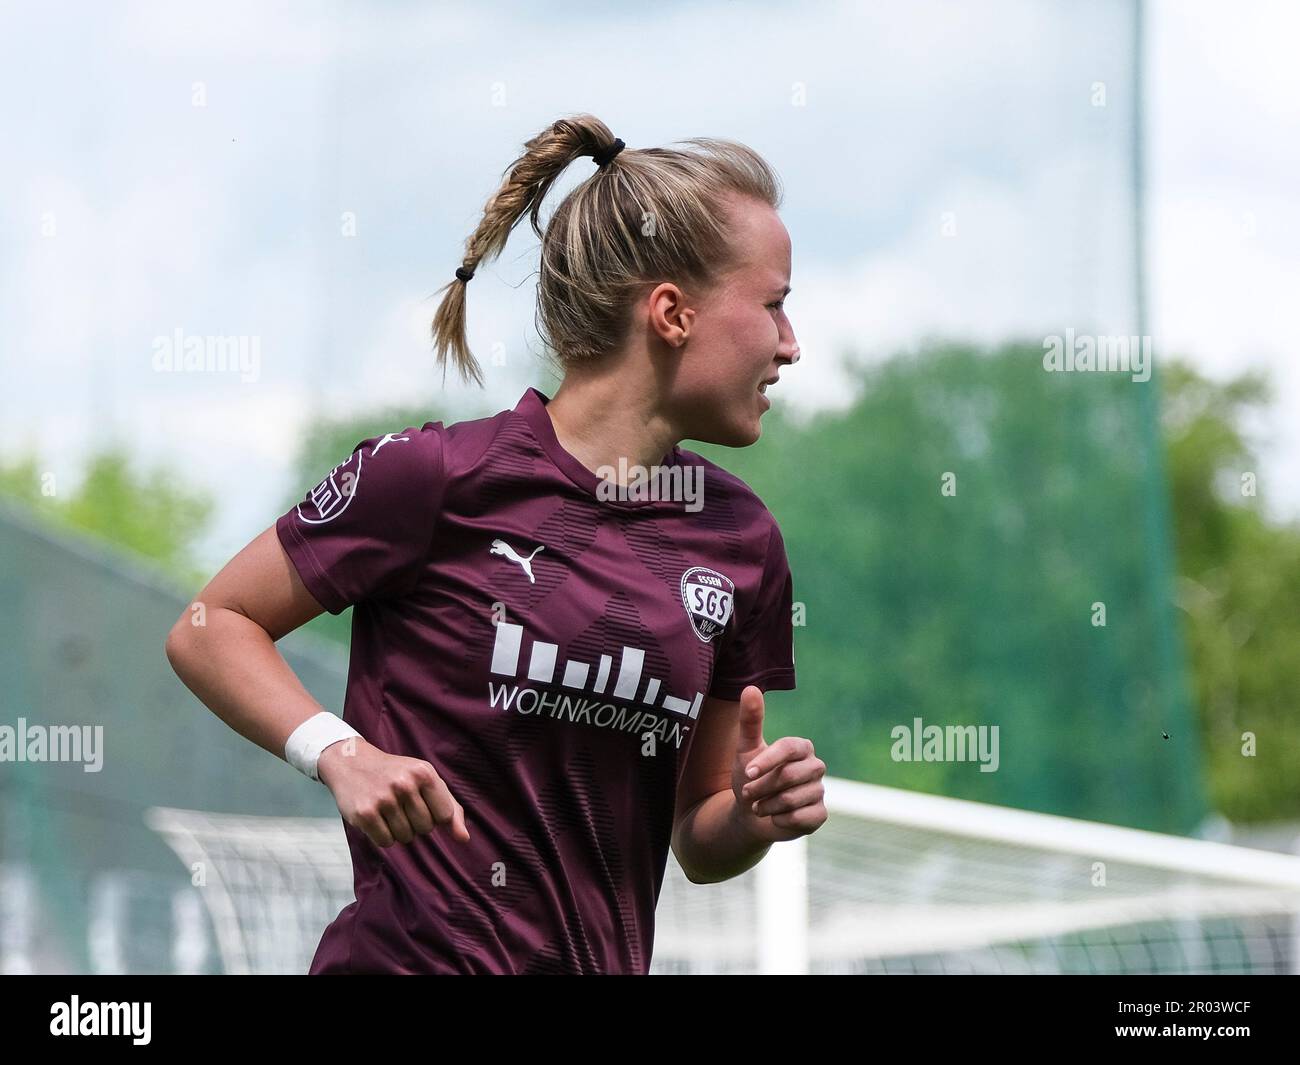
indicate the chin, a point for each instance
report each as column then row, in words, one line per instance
column 751, row 435
column 727, row 427
column 735, row 434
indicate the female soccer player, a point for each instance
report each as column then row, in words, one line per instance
column 563, row 622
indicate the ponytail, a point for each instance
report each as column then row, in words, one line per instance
column 645, row 216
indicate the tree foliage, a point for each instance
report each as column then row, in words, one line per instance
column 149, row 513
column 953, row 532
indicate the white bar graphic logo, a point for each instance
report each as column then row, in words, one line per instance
column 507, row 649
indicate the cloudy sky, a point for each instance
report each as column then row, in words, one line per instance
column 304, row 176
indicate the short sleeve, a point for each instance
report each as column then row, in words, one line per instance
column 761, row 651
column 365, row 530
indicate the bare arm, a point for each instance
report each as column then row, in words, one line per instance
column 713, row 839
column 223, row 646
column 739, row 794
column 223, row 649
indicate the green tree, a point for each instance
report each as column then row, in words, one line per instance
column 150, row 514
column 975, row 606
column 966, row 607
column 1239, row 582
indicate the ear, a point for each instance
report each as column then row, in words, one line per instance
column 670, row 318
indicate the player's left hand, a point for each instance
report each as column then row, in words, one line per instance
column 783, row 798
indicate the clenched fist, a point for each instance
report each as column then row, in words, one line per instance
column 389, row 797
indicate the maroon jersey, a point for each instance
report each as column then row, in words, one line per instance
column 548, row 650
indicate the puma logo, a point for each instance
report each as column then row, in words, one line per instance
column 387, row 438
column 500, row 547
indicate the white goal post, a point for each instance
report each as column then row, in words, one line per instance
column 895, row 881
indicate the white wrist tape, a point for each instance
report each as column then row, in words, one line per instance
column 303, row 748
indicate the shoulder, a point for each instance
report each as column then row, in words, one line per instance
column 465, row 443
column 398, row 465
column 433, row 451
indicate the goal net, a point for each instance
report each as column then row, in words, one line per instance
column 270, row 884
column 894, row 882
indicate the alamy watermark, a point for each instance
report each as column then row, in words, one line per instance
column 1091, row 353
column 950, row 743
column 194, row 353
column 77, row 1018
column 636, row 483
column 53, row 743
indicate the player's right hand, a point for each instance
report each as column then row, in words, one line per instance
column 389, row 797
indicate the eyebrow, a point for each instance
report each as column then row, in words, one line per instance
column 786, row 292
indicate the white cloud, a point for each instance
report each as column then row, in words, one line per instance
column 1225, row 215
column 224, row 219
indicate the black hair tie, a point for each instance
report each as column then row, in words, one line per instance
column 464, row 274
column 602, row 158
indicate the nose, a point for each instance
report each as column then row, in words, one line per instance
column 788, row 349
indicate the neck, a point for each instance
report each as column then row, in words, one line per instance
column 602, row 418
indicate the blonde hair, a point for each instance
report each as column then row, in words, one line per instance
column 649, row 215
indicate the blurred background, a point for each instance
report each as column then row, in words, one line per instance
column 224, row 226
